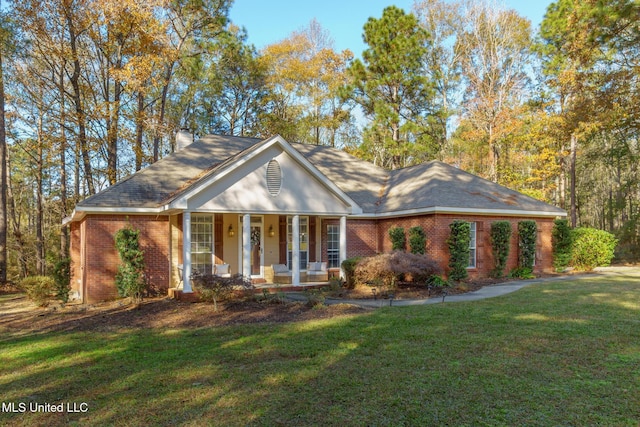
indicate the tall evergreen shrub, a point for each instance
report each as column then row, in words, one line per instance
column 130, row 275
column 561, row 243
column 500, row 243
column 398, row 239
column 458, row 242
column 527, row 234
column 417, row 240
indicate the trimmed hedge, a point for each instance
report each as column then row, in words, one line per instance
column 527, row 234
column 500, row 244
column 130, row 278
column 458, row 242
column 561, row 243
column 417, row 240
column 592, row 248
column 398, row 239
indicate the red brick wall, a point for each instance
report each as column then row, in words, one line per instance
column 362, row 238
column 437, row 229
column 74, row 251
column 368, row 237
column 101, row 259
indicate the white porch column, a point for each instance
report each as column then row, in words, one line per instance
column 295, row 252
column 186, row 252
column 343, row 243
column 246, row 246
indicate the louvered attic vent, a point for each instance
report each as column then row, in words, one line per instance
column 274, row 177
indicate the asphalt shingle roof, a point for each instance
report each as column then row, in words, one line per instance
column 374, row 189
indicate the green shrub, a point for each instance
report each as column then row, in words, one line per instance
column 39, row 289
column 213, row 288
column 130, row 276
column 527, row 235
column 349, row 268
column 500, row 244
column 315, row 297
column 417, row 240
column 592, row 248
column 62, row 278
column 522, row 273
column 438, row 281
column 561, row 243
column 398, row 239
column 386, row 270
column 458, row 242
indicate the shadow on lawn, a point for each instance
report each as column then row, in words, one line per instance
column 520, row 359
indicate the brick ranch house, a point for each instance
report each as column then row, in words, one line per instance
column 251, row 204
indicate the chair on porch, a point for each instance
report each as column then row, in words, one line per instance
column 180, row 273
column 317, row 272
column 222, row 270
column 281, row 274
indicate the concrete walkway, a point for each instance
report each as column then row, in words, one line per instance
column 490, row 291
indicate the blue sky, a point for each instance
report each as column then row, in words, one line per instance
column 269, row 21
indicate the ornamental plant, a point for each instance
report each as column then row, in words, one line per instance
column 213, row 288
column 417, row 240
column 527, row 234
column 500, row 244
column 561, row 243
column 349, row 268
column 592, row 248
column 39, row 289
column 458, row 242
column 62, row 279
column 398, row 239
column 130, row 276
column 387, row 270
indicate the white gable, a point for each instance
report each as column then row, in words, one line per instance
column 243, row 187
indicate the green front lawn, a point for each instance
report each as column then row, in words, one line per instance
column 565, row 353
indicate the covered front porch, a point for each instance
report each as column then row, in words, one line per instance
column 269, row 207
column 309, row 248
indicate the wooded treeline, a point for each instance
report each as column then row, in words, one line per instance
column 95, row 90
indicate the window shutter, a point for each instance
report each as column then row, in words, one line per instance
column 312, row 239
column 282, row 244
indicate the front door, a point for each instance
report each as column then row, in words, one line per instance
column 257, row 242
column 256, row 246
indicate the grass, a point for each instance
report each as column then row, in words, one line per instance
column 564, row 353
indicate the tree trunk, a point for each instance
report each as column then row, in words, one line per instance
column 40, row 250
column 21, row 245
column 64, row 234
column 163, row 106
column 3, row 183
column 112, row 134
column 77, row 100
column 139, row 130
column 572, row 168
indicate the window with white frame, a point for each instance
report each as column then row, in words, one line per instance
column 472, row 245
column 304, row 242
column 202, row 244
column 333, row 245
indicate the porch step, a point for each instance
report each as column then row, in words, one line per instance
column 179, row 295
column 272, row 288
